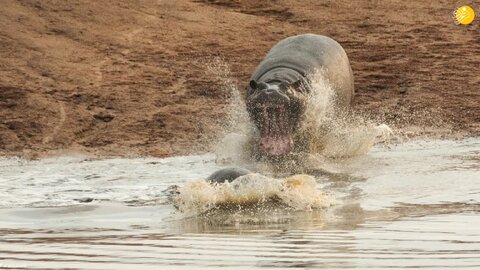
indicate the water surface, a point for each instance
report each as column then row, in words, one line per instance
column 412, row 205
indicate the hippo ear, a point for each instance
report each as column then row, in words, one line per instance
column 253, row 84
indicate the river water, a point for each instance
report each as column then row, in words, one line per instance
column 410, row 205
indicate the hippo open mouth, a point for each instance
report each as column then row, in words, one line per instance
column 274, row 109
column 279, row 88
column 273, row 123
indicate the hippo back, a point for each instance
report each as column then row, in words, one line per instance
column 299, row 56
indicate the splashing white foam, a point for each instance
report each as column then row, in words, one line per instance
column 297, row 192
column 332, row 132
column 237, row 130
column 325, row 130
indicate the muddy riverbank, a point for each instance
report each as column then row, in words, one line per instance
column 131, row 79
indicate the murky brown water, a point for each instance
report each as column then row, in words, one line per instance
column 414, row 205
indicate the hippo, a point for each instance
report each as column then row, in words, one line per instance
column 281, row 83
column 220, row 176
column 227, row 175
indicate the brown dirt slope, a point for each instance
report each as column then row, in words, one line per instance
column 130, row 77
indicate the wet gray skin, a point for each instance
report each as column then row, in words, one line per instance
column 227, row 175
column 279, row 87
column 220, row 176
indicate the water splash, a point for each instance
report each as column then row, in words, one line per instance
column 297, row 192
column 332, row 132
column 325, row 130
column 235, row 137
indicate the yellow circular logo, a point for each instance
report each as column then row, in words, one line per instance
column 464, row 15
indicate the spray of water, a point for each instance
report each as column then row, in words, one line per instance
column 235, row 137
column 325, row 130
column 297, row 192
column 334, row 132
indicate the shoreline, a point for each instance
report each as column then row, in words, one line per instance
column 154, row 79
column 106, row 154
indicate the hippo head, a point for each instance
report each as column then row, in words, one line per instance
column 275, row 109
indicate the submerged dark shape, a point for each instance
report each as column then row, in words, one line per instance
column 227, row 174
column 280, row 85
column 221, row 176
